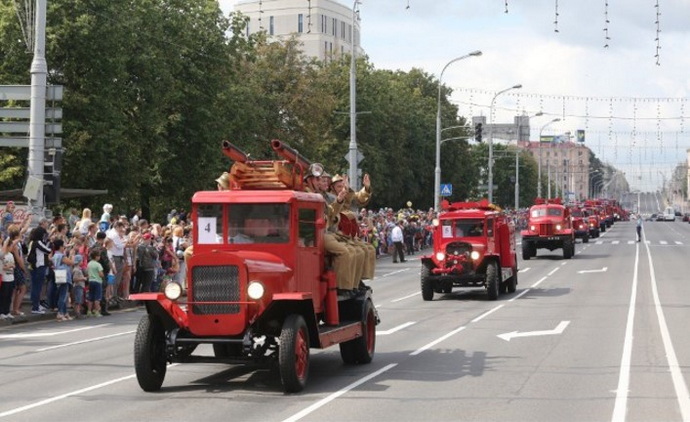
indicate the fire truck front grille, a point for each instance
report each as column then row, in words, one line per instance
column 546, row 229
column 460, row 248
column 215, row 284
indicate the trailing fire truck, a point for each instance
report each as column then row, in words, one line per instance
column 549, row 227
column 580, row 222
column 259, row 287
column 474, row 246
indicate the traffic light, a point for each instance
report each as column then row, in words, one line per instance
column 478, row 132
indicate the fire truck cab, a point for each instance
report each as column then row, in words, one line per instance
column 474, row 246
column 259, row 288
column 549, row 227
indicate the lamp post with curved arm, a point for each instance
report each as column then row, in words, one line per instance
column 539, row 168
column 490, row 178
column 437, row 169
column 352, row 151
column 517, row 158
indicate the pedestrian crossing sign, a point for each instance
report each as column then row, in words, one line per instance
column 446, row 189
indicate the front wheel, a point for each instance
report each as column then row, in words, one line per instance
column 492, row 281
column 585, row 239
column 293, row 355
column 150, row 362
column 361, row 349
column 427, row 284
column 568, row 249
column 526, row 251
column 511, row 283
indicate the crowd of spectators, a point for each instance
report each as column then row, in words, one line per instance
column 87, row 264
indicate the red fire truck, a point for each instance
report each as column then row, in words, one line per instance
column 550, row 228
column 259, row 288
column 474, row 246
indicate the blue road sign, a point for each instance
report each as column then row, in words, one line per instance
column 446, row 189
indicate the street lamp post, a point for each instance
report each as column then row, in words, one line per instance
column 352, row 153
column 539, row 168
column 437, row 170
column 490, row 181
column 592, row 175
column 517, row 158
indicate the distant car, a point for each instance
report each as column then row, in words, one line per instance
column 669, row 214
column 686, row 217
column 660, row 217
column 651, row 217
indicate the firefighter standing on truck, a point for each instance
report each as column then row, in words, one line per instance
column 345, row 257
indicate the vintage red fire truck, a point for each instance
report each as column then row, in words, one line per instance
column 259, row 288
column 474, row 246
column 549, row 227
column 580, row 222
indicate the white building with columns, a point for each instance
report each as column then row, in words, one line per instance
column 324, row 27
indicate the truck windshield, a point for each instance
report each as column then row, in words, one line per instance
column 258, row 223
column 469, row 228
column 541, row 212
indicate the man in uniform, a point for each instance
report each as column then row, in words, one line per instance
column 346, row 257
column 352, row 202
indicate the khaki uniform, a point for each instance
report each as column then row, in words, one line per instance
column 357, row 256
column 345, row 257
column 357, row 200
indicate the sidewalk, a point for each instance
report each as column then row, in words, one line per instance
column 51, row 316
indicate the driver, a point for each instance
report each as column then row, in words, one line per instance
column 236, row 235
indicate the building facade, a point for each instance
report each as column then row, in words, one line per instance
column 566, row 164
column 327, row 29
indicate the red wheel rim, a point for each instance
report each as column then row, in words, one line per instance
column 301, row 354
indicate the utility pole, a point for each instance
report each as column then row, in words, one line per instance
column 37, row 119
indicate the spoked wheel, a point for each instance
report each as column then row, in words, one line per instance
column 361, row 349
column 293, row 355
column 492, row 281
column 427, row 284
column 150, row 361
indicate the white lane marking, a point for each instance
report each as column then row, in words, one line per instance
column 553, row 271
column 676, row 373
column 663, row 242
column 622, row 391
column 603, row 270
column 299, row 415
column 48, row 333
column 438, row 340
column 615, row 242
column 630, row 242
column 563, row 263
column 487, row 313
column 600, row 242
column 524, row 270
column 558, row 330
column 394, row 329
column 678, row 243
column 519, row 295
column 405, row 297
column 538, row 282
column 73, row 393
column 88, row 340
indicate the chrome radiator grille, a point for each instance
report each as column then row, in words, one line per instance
column 215, row 284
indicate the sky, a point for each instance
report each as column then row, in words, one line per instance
column 631, row 98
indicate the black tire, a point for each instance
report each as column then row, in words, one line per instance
column 526, row 251
column 150, row 362
column 361, row 349
column 492, row 280
column 585, row 239
column 293, row 354
column 448, row 288
column 427, row 284
column 568, row 249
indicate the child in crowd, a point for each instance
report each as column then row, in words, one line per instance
column 78, row 285
column 95, row 276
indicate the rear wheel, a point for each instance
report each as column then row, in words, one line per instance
column 293, row 355
column 361, row 349
column 427, row 284
column 150, row 363
column 492, row 281
column 448, row 288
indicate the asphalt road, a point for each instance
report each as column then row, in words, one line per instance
column 600, row 337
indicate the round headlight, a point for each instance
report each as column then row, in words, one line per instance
column 474, row 255
column 533, row 228
column 440, row 256
column 435, row 222
column 558, row 226
column 255, row 290
column 173, row 291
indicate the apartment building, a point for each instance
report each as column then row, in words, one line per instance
column 324, row 27
column 567, row 164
